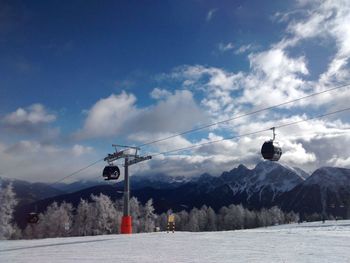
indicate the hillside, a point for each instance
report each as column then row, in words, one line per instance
column 285, row 243
column 326, row 191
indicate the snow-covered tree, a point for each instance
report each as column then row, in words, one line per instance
column 148, row 217
column 276, row 215
column 83, row 219
column 181, row 221
column 56, row 221
column 162, row 221
column 135, row 212
column 105, row 215
column 7, row 204
column 211, row 220
column 193, row 222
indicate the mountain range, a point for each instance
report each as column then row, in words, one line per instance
column 325, row 191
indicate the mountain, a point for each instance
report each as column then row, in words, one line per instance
column 326, row 191
column 27, row 192
column 157, row 181
column 261, row 186
column 254, row 188
column 78, row 185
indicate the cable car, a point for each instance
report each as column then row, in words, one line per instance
column 33, row 218
column 271, row 150
column 111, row 172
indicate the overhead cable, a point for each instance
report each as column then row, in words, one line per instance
column 242, row 115
column 250, row 133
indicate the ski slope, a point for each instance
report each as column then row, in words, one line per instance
column 307, row 242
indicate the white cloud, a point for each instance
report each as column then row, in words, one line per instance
column 118, row 115
column 339, row 162
column 158, row 93
column 79, row 150
column 279, row 74
column 244, row 48
column 34, row 161
column 225, row 47
column 109, row 115
column 211, row 14
column 35, row 114
column 325, row 20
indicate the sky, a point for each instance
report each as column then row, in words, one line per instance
column 78, row 76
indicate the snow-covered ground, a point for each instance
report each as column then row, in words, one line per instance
column 307, row 242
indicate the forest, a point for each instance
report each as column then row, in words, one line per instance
column 102, row 216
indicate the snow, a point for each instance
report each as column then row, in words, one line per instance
column 307, row 242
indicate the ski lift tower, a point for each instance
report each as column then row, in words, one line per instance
column 129, row 159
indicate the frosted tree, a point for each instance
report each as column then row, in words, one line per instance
column 148, row 217
column 135, row 212
column 7, row 205
column 162, row 221
column 193, row 222
column 55, row 222
column 239, row 212
column 181, row 220
column 264, row 218
column 276, row 215
column 221, row 223
column 292, row 217
column 105, row 215
column 84, row 219
column 250, row 219
column 202, row 218
column 230, row 218
column 211, row 220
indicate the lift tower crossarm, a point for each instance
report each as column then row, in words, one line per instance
column 139, row 159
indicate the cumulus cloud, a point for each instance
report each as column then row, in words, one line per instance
column 307, row 145
column 34, row 114
column 119, row 115
column 326, row 20
column 158, row 93
column 35, row 161
column 108, row 116
column 29, row 118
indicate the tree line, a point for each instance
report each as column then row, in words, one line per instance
column 103, row 216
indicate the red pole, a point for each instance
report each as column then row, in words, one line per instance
column 126, row 226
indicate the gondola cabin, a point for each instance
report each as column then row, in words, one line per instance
column 111, row 172
column 271, row 151
column 33, row 218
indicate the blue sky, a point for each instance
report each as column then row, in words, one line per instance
column 77, row 76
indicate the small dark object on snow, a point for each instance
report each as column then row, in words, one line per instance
column 33, row 218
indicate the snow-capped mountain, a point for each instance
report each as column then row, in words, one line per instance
column 331, row 178
column 326, row 191
column 157, row 181
column 260, row 186
column 271, row 176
